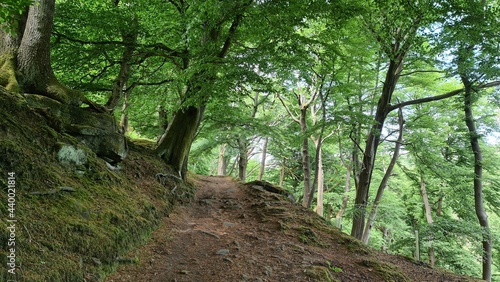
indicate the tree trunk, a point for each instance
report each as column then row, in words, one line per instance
column 345, row 199
column 320, row 180
column 124, row 117
column 306, row 163
column 26, row 57
column 222, row 164
column 478, row 180
column 385, row 179
column 129, row 38
column 372, row 142
column 9, row 44
column 428, row 216
column 263, row 159
column 243, row 158
column 282, row 174
column 176, row 142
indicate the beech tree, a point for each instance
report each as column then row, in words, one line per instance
column 25, row 55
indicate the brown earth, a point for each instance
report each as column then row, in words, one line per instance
column 235, row 232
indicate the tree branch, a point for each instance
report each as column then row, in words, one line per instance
column 288, row 110
column 420, row 71
column 440, row 97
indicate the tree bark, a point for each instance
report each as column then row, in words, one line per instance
column 26, row 57
column 306, row 162
column 282, row 174
column 263, row 159
column 428, row 216
column 176, row 143
column 319, row 179
column 478, row 180
column 129, row 38
column 242, row 158
column 222, row 164
column 385, row 179
column 345, row 198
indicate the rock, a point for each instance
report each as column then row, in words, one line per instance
column 227, row 224
column 98, row 131
column 222, row 252
column 266, row 186
column 69, row 155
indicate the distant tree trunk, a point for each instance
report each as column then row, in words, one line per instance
column 386, row 237
column 162, row 122
column 428, row 216
column 319, row 179
column 222, row 163
column 385, row 179
column 372, row 142
column 263, row 159
column 242, row 158
column 345, row 198
column 282, row 174
column 306, row 162
column 478, row 180
column 124, row 117
column 129, row 39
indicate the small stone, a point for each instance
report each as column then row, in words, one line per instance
column 222, row 252
column 227, row 224
column 96, row 261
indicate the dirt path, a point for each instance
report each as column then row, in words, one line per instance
column 232, row 232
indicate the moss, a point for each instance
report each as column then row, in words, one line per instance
column 320, row 274
column 309, row 237
column 7, row 73
column 64, row 234
column 389, row 272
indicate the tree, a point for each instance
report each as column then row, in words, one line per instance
column 394, row 25
column 25, row 56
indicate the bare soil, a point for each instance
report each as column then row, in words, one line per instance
column 235, row 232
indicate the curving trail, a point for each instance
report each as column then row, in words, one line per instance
column 232, row 232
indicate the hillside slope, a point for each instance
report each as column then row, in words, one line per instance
column 71, row 216
column 236, row 232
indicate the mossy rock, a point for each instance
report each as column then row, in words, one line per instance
column 389, row 272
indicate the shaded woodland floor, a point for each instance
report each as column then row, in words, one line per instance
column 235, row 232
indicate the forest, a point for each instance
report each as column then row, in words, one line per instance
column 381, row 116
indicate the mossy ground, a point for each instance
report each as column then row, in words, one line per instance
column 65, row 235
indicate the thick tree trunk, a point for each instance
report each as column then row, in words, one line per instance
column 26, row 60
column 9, row 44
column 385, row 179
column 263, row 159
column 176, row 142
column 478, row 180
column 428, row 217
column 372, row 142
